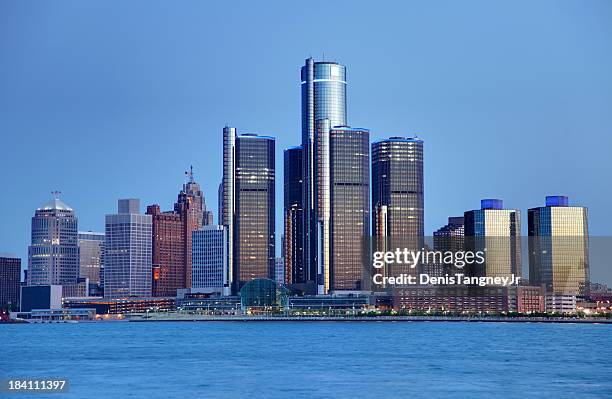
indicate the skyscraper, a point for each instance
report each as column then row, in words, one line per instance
column 91, row 256
column 191, row 207
column 349, row 181
column 323, row 86
column 168, row 251
column 497, row 232
column 210, row 259
column 10, row 278
column 558, row 247
column 249, row 205
column 191, row 189
column 127, row 268
column 293, row 216
column 397, row 190
column 226, row 201
column 53, row 256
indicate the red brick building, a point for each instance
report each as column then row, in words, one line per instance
column 172, row 238
column 168, row 252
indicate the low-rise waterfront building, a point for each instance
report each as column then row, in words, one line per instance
column 560, row 303
column 453, row 300
column 526, row 299
column 122, row 305
column 40, row 297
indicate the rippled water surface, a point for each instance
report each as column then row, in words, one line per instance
column 312, row 359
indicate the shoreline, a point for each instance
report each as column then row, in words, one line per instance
column 456, row 319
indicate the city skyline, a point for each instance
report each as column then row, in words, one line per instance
column 108, row 185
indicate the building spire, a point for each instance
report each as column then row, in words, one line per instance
column 56, row 194
column 189, row 175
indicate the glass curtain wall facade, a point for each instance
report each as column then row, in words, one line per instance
column 128, row 257
column 558, row 247
column 254, row 226
column 91, row 256
column 293, row 214
column 498, row 231
column 350, row 205
column 397, row 185
column 323, row 86
column 53, row 256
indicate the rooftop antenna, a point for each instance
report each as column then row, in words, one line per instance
column 189, row 174
column 56, row 194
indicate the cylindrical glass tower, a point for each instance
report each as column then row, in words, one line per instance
column 323, row 97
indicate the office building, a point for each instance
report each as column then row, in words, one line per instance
column 248, row 205
column 53, row 256
column 558, row 247
column 10, row 282
column 40, row 297
column 226, row 198
column 293, row 216
column 323, row 87
column 397, row 197
column 191, row 206
column 495, row 231
column 210, row 251
column 91, row 256
column 450, row 238
column 349, row 182
column 168, row 252
column 397, row 185
column 128, row 256
column 279, row 270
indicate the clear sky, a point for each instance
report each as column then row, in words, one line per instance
column 106, row 100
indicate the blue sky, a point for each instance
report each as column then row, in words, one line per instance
column 103, row 100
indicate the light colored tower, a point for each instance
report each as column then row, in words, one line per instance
column 210, row 257
column 53, row 256
column 128, row 257
column 497, row 232
column 226, row 211
column 323, row 87
column 558, row 247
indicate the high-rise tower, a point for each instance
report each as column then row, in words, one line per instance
column 497, row 232
column 226, row 190
column 168, row 251
column 397, row 185
column 128, row 256
column 558, row 247
column 53, row 256
column 349, row 214
column 293, row 216
column 91, row 255
column 248, row 207
column 323, row 106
